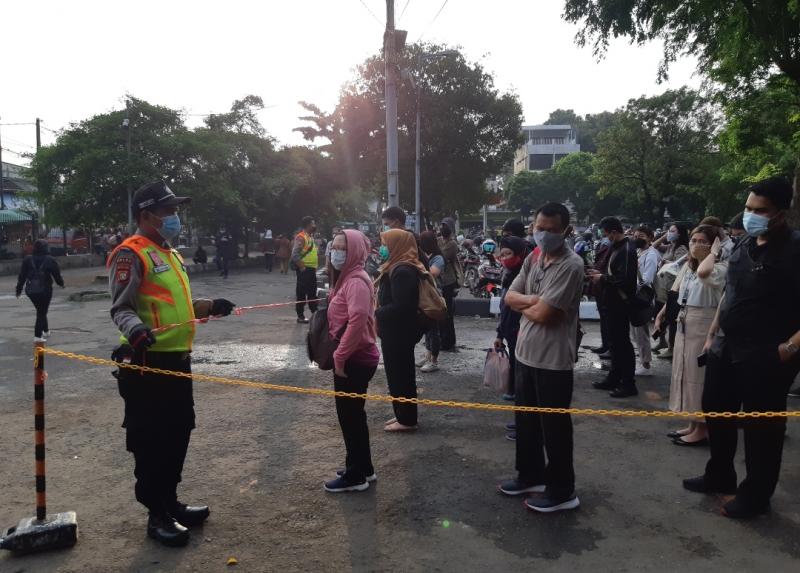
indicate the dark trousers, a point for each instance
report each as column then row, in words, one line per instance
column 605, row 336
column 538, row 434
column 398, row 359
column 512, row 364
column 268, row 259
column 159, row 418
column 623, row 360
column 306, row 289
column 353, row 420
column 222, row 265
column 757, row 384
column 42, row 303
column 447, row 327
column 433, row 340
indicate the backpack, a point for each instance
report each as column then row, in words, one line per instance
column 35, row 285
column 319, row 343
column 431, row 307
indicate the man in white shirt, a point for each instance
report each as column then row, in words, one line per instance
column 649, row 260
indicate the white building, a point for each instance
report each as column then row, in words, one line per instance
column 544, row 145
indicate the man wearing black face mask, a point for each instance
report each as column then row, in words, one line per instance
column 618, row 282
column 150, row 289
column 753, row 353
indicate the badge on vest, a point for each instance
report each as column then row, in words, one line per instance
column 159, row 266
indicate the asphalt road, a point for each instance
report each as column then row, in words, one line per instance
column 259, row 459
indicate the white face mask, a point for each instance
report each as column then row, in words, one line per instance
column 338, row 258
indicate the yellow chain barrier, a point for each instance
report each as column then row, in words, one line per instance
column 419, row 401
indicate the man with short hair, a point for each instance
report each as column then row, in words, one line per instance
column 547, row 292
column 449, row 280
column 393, row 218
column 753, row 352
column 618, row 281
column 305, row 261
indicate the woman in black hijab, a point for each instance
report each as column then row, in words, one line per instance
column 36, row 276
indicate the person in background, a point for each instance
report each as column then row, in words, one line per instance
column 451, row 281
column 268, row 248
column 512, row 254
column 433, row 343
column 649, row 260
column 674, row 244
column 673, row 250
column 702, row 281
column 200, row 256
column 335, row 231
column 601, row 255
column 725, row 240
column 584, row 247
column 351, row 320
column 305, row 261
column 618, row 281
column 516, row 228
column 737, row 232
column 283, row 253
column 753, row 353
column 547, row 293
column 398, row 303
column 36, row 277
column 393, row 218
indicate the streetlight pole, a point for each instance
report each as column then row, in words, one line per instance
column 390, row 62
column 126, row 125
column 2, row 190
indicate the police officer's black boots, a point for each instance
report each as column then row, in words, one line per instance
column 189, row 516
column 163, row 528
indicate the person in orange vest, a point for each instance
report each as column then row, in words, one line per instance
column 149, row 289
column 305, row 261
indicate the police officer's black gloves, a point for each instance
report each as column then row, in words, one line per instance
column 141, row 337
column 221, row 307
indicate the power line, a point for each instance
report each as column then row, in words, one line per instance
column 434, row 20
column 5, row 124
column 364, row 4
column 18, row 142
column 403, row 11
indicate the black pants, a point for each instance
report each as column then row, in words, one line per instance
column 758, row 384
column 306, row 289
column 268, row 259
column 623, row 360
column 222, row 265
column 398, row 359
column 447, row 327
column 433, row 340
column 159, row 418
column 512, row 364
column 538, row 434
column 353, row 420
column 605, row 336
column 42, row 303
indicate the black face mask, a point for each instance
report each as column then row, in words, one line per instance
column 640, row 243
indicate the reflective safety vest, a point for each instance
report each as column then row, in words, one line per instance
column 164, row 296
column 310, row 259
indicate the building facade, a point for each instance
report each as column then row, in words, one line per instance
column 544, row 145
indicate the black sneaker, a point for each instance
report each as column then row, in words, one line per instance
column 516, row 487
column 701, row 484
column 605, row 355
column 511, row 436
column 163, row 528
column 604, row 384
column 302, row 320
column 625, row 391
column 547, row 504
column 370, row 478
column 342, row 484
column 599, row 349
column 737, row 510
column 511, row 427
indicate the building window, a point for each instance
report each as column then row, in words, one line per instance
column 537, row 162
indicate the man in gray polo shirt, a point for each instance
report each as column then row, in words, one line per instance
column 547, row 292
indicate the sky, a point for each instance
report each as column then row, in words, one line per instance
column 66, row 61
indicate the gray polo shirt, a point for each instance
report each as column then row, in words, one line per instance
column 560, row 285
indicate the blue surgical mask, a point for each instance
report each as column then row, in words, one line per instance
column 386, row 228
column 755, row 224
column 338, row 259
column 384, row 251
column 672, row 237
column 170, row 227
column 605, row 241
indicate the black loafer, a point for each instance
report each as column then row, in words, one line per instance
column 190, row 516
column 624, row 392
column 675, row 434
column 164, row 529
column 702, row 485
column 679, row 441
column 735, row 509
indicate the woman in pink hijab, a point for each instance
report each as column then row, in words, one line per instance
column 351, row 320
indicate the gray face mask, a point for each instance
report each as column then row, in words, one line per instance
column 548, row 242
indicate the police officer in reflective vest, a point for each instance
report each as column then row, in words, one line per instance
column 305, row 261
column 150, row 288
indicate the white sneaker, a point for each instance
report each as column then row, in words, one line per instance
column 429, row 367
column 642, row 371
column 46, row 335
column 38, row 339
column 421, row 362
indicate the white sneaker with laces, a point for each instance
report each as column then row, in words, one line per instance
column 421, row 362
column 642, row 371
column 46, row 335
column 429, row 367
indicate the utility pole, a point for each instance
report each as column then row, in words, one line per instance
column 35, row 223
column 2, row 184
column 418, row 164
column 391, row 71
column 38, row 134
column 126, row 125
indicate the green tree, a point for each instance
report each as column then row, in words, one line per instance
column 658, row 155
column 529, row 190
column 469, row 130
column 588, row 127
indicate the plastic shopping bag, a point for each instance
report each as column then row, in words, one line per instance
column 496, row 370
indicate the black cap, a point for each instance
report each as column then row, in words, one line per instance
column 155, row 194
column 514, row 227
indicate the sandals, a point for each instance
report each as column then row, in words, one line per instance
column 398, row 427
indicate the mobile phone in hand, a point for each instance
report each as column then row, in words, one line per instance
column 702, row 359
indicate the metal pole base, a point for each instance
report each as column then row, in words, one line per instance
column 31, row 535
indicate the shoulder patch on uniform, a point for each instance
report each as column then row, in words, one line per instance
column 122, row 273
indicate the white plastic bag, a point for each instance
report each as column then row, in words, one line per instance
column 496, row 370
column 494, row 305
